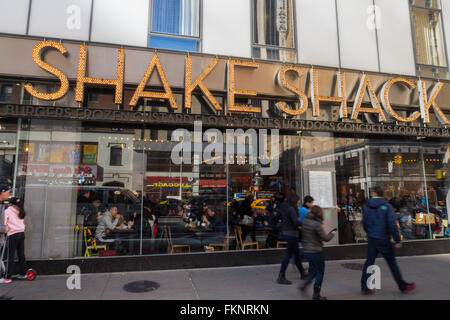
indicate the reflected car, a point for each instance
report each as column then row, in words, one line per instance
column 260, row 204
column 256, row 204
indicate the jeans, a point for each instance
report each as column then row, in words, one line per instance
column 17, row 244
column 316, row 267
column 387, row 250
column 291, row 250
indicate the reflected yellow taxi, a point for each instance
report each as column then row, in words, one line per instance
column 256, row 204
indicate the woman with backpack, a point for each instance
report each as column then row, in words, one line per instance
column 313, row 235
column 14, row 220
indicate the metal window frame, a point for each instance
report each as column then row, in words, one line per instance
column 175, row 36
column 444, row 43
column 267, row 46
column 376, row 36
column 29, row 17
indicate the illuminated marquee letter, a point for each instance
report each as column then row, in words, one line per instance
column 285, row 84
column 82, row 78
column 140, row 93
column 387, row 105
column 190, row 86
column 426, row 104
column 376, row 107
column 37, row 50
column 232, row 91
column 315, row 98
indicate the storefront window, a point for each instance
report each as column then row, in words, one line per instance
column 70, row 182
column 8, row 140
column 435, row 163
column 72, row 190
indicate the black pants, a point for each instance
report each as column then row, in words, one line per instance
column 17, row 244
column 292, row 250
column 384, row 247
column 316, row 267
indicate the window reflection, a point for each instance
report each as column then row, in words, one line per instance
column 104, row 191
column 428, row 35
column 273, row 30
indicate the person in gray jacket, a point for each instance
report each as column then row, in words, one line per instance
column 313, row 234
column 108, row 222
column 5, row 193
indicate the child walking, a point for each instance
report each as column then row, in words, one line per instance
column 14, row 221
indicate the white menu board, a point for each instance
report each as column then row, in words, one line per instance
column 321, row 188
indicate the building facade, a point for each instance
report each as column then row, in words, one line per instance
column 161, row 107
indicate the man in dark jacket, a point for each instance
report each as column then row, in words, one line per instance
column 379, row 222
column 293, row 197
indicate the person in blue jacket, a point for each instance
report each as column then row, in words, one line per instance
column 308, row 203
column 379, row 222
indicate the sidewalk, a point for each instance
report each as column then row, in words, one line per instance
column 342, row 280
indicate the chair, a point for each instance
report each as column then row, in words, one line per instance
column 173, row 247
column 240, row 243
column 223, row 245
column 281, row 243
column 91, row 244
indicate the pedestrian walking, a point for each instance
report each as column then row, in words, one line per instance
column 313, row 235
column 379, row 222
column 5, row 192
column 308, row 203
column 290, row 230
column 14, row 221
column 292, row 197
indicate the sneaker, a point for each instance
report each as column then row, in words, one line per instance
column 409, row 287
column 367, row 291
column 20, row 277
column 3, row 280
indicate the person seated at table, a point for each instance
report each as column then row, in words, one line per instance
column 272, row 204
column 245, row 209
column 125, row 225
column 214, row 222
column 182, row 232
column 147, row 223
column 259, row 217
column 274, row 223
column 106, row 233
column 233, row 217
column 107, row 223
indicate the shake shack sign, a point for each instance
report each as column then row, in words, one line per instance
column 188, row 120
column 295, row 89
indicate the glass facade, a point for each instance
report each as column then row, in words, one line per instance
column 99, row 189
